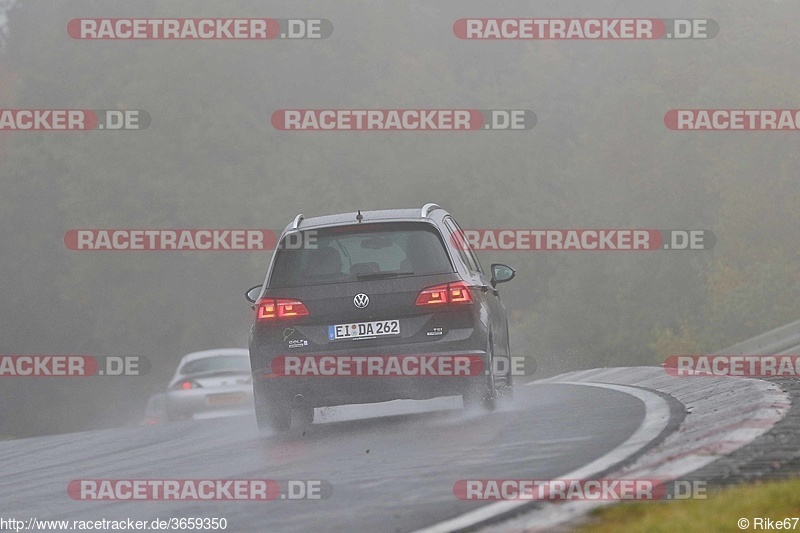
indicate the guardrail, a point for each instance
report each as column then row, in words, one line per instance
column 779, row 341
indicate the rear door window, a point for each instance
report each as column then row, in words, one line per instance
column 462, row 246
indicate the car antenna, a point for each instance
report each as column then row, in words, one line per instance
column 359, row 217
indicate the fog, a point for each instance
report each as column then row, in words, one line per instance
column 600, row 156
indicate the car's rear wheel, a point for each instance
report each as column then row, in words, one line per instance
column 271, row 415
column 484, row 393
column 174, row 415
column 506, row 392
column 274, row 417
column 304, row 416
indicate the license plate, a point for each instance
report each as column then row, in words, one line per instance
column 228, row 398
column 364, row 330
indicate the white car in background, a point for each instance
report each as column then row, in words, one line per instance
column 211, row 383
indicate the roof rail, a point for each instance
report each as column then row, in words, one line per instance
column 427, row 208
column 297, row 219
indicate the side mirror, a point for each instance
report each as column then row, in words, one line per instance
column 252, row 294
column 502, row 273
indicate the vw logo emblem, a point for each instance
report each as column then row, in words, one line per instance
column 361, row 300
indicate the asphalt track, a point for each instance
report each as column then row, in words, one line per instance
column 389, row 469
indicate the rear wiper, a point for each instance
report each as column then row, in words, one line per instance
column 383, row 275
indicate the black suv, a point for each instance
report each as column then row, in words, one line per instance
column 378, row 284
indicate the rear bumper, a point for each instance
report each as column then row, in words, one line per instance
column 182, row 404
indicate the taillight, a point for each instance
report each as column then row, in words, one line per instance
column 433, row 295
column 448, row 293
column 459, row 293
column 187, row 385
column 272, row 308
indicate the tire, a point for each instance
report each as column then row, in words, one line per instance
column 485, row 393
column 274, row 417
column 271, row 415
column 507, row 392
column 173, row 415
column 304, row 416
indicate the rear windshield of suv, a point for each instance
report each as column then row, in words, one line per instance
column 358, row 253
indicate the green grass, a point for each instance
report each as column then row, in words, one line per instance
column 720, row 512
